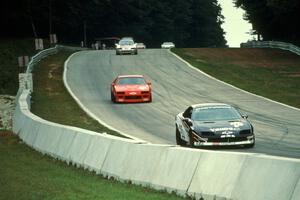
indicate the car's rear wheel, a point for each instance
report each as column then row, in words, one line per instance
column 179, row 141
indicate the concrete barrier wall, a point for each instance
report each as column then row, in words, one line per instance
column 197, row 173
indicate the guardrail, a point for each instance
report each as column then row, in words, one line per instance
column 187, row 172
column 42, row 54
column 272, row 44
column 25, row 79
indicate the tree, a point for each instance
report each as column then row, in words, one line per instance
column 206, row 24
column 273, row 19
column 187, row 23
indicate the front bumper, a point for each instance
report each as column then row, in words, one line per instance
column 227, row 141
column 199, row 144
column 126, row 51
column 127, row 98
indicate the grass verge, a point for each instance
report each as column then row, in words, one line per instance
column 10, row 49
column 274, row 74
column 52, row 102
column 27, row 174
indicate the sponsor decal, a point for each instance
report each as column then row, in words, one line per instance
column 227, row 136
column 227, row 132
column 222, row 129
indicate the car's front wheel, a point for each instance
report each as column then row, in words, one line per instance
column 179, row 141
column 150, row 100
column 249, row 145
column 191, row 140
column 112, row 97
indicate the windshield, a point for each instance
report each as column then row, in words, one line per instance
column 131, row 81
column 215, row 113
column 126, row 42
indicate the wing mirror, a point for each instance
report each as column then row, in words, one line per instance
column 188, row 121
column 245, row 116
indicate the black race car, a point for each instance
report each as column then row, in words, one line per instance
column 213, row 124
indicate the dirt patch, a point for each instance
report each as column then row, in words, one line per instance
column 52, row 71
column 7, row 105
column 5, row 133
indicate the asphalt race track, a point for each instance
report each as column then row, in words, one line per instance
column 174, row 87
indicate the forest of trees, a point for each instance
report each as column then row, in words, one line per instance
column 276, row 20
column 189, row 23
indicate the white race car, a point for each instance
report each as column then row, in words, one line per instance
column 126, row 46
column 167, row 45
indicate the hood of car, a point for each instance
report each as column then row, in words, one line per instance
column 123, row 88
column 221, row 127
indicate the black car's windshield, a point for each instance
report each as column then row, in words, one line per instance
column 215, row 113
column 131, row 81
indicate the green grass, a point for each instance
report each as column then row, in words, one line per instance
column 270, row 77
column 27, row 174
column 10, row 49
column 52, row 102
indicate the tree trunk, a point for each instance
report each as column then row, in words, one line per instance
column 33, row 28
column 31, row 20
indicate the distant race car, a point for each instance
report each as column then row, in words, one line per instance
column 140, row 46
column 131, row 88
column 126, row 46
column 213, row 124
column 168, row 45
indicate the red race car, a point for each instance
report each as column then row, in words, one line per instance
column 130, row 89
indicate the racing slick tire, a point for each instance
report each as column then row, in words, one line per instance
column 249, row 146
column 191, row 140
column 150, row 99
column 179, row 141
